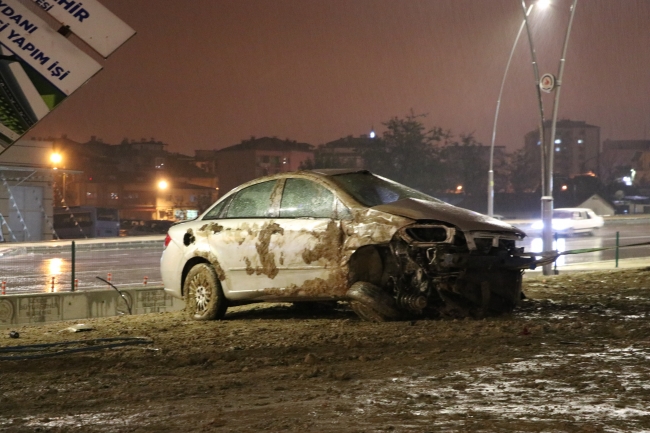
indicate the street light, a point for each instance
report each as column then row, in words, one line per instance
column 549, row 148
column 162, row 184
column 547, row 216
column 547, row 212
column 55, row 159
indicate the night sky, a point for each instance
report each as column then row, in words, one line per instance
column 206, row 74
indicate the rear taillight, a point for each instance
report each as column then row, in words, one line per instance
column 168, row 239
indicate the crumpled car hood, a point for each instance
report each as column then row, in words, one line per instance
column 465, row 220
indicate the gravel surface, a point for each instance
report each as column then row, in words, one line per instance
column 574, row 357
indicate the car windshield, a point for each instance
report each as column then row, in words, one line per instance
column 371, row 190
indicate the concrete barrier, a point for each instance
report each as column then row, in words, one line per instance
column 37, row 308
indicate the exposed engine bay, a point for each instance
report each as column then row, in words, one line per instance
column 433, row 269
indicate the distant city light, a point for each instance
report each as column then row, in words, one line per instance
column 558, row 141
column 56, row 158
column 372, row 134
column 564, row 187
column 163, row 184
column 459, row 188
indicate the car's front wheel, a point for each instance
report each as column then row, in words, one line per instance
column 371, row 303
column 204, row 298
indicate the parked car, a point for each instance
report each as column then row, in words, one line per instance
column 342, row 235
column 571, row 221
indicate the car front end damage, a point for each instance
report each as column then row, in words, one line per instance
column 463, row 265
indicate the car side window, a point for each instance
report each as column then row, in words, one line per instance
column 304, row 198
column 216, row 211
column 252, row 202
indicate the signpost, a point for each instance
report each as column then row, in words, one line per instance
column 37, row 44
column 39, row 67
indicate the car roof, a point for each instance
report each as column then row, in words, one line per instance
column 573, row 209
column 313, row 174
column 335, row 171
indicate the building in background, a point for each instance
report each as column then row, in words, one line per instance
column 139, row 178
column 347, row 152
column 627, row 161
column 577, row 148
column 253, row 158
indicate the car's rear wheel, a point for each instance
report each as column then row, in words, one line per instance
column 204, row 298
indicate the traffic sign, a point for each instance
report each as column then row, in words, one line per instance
column 39, row 68
column 31, row 39
column 547, row 83
column 91, row 22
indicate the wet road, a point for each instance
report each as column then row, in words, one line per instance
column 605, row 237
column 38, row 269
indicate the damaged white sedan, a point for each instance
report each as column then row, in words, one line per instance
column 340, row 235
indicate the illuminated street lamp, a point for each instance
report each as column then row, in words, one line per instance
column 547, row 150
column 56, row 159
column 547, row 205
column 163, row 184
column 549, row 83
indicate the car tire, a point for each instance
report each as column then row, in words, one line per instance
column 371, row 303
column 204, row 298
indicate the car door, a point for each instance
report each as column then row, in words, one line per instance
column 594, row 220
column 241, row 236
column 580, row 222
column 309, row 248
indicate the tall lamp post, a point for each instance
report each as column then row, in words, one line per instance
column 496, row 118
column 548, row 148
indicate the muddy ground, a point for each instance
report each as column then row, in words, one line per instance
column 574, row 357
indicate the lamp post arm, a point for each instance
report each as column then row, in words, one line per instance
column 539, row 96
column 556, row 102
column 496, row 118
